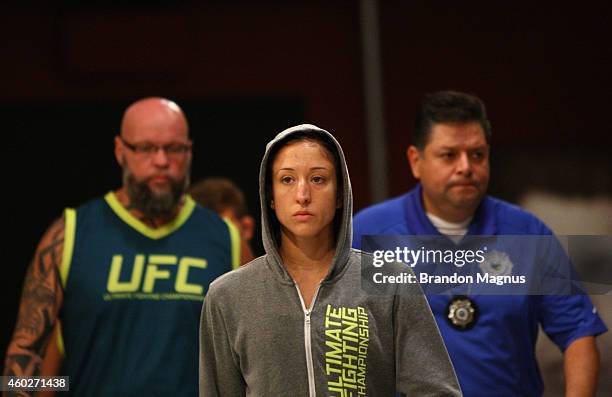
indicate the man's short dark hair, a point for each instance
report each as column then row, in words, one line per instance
column 219, row 194
column 448, row 107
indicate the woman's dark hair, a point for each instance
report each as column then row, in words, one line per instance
column 330, row 149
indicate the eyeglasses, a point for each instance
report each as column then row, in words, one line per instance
column 174, row 150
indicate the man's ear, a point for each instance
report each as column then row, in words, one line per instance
column 413, row 154
column 119, row 150
column 248, row 227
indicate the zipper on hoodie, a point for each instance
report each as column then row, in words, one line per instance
column 307, row 340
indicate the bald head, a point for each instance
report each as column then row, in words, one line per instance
column 154, row 117
column 154, row 151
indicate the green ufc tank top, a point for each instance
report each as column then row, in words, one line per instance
column 133, row 295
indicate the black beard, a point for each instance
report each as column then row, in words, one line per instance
column 154, row 205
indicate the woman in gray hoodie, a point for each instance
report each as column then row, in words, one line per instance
column 296, row 321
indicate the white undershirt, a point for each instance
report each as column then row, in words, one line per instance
column 454, row 231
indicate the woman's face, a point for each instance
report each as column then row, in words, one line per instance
column 304, row 190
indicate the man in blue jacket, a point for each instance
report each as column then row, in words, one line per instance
column 492, row 340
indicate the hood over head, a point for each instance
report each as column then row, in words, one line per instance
column 343, row 218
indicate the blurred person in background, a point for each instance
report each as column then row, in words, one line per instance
column 492, row 346
column 225, row 198
column 126, row 274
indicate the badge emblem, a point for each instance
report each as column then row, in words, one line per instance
column 462, row 312
column 496, row 264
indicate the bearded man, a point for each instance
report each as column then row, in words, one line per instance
column 125, row 274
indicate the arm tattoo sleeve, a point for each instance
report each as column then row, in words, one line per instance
column 38, row 310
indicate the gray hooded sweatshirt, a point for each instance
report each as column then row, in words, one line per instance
column 258, row 339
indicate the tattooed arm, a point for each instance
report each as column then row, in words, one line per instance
column 40, row 303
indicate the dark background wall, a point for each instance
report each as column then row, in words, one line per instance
column 542, row 70
column 244, row 70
